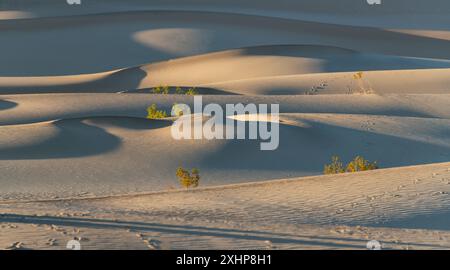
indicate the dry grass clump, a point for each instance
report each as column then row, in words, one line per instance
column 191, row 91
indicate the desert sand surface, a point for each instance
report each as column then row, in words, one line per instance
column 80, row 160
column 403, row 208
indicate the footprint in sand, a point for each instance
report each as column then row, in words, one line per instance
column 152, row 243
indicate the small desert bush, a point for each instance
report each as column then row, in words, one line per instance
column 154, row 113
column 358, row 75
column 358, row 164
column 190, row 91
column 178, row 90
column 336, row 166
column 187, row 179
column 157, row 90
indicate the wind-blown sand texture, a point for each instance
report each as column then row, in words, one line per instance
column 78, row 158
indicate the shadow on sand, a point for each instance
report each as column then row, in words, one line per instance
column 80, row 138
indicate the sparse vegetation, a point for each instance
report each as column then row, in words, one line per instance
column 165, row 90
column 363, row 86
column 358, row 164
column 187, row 179
column 154, row 113
column 161, row 90
column 191, row 91
column 157, row 90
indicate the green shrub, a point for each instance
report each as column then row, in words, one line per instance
column 157, row 90
column 165, row 90
column 154, row 113
column 335, row 167
column 192, row 91
column 161, row 90
column 187, row 179
column 178, row 90
column 358, row 164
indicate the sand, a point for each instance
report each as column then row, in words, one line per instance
column 403, row 208
column 79, row 159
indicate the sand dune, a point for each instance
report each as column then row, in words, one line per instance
column 272, row 61
column 307, row 141
column 401, row 13
column 259, row 70
column 26, row 109
column 430, row 81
